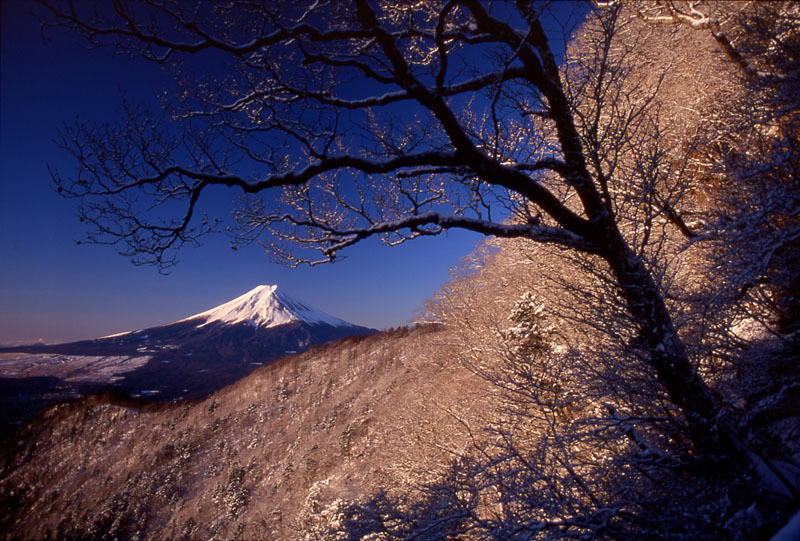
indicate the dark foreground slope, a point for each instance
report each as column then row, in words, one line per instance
column 259, row 459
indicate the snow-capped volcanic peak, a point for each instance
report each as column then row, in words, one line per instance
column 265, row 307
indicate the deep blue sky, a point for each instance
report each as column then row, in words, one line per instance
column 55, row 290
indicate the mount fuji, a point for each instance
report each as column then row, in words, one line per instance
column 189, row 358
column 265, row 307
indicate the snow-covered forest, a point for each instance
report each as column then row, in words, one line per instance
column 618, row 360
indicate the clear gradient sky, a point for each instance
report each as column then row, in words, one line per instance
column 54, row 290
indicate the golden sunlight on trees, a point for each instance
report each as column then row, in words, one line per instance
column 341, row 121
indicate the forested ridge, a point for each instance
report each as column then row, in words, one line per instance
column 619, row 359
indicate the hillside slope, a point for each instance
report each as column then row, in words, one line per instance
column 254, row 460
column 363, row 435
column 529, row 410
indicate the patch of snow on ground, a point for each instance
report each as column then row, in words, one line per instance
column 750, row 330
column 69, row 367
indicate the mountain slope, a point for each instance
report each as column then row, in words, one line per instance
column 265, row 307
column 189, row 358
column 260, row 459
column 285, row 451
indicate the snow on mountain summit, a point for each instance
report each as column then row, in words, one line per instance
column 265, row 307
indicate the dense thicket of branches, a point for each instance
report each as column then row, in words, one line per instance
column 340, row 121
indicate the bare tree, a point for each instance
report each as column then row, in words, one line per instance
column 748, row 151
column 341, row 121
column 759, row 155
column 574, row 449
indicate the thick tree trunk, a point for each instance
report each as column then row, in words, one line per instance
column 712, row 436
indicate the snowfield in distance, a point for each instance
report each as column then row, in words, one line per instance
column 68, row 367
column 264, row 307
